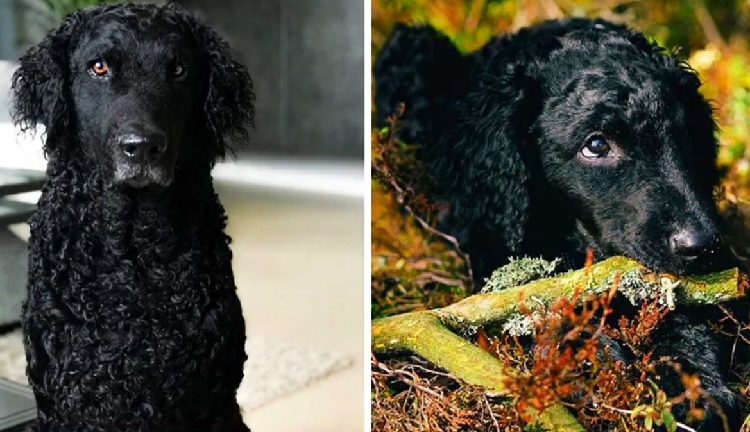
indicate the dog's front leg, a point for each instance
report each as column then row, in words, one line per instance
column 686, row 338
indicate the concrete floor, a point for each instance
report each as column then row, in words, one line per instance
column 299, row 268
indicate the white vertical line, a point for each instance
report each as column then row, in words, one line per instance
column 368, row 211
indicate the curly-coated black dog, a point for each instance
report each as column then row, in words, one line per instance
column 570, row 135
column 132, row 321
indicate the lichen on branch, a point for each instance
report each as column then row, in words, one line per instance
column 432, row 334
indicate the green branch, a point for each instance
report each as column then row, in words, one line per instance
column 428, row 333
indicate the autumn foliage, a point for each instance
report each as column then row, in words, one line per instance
column 569, row 363
column 414, row 265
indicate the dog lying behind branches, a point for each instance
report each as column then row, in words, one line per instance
column 132, row 321
column 571, row 135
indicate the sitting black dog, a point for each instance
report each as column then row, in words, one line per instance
column 133, row 321
column 565, row 136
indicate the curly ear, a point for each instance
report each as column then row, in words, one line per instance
column 230, row 102
column 704, row 130
column 41, row 87
column 482, row 159
column 421, row 68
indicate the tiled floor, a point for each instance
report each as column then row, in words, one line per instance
column 299, row 268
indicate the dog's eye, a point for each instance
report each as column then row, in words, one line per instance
column 99, row 68
column 596, row 146
column 178, row 70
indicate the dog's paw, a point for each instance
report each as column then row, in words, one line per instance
column 721, row 412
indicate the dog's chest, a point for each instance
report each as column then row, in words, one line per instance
column 138, row 289
column 147, row 322
column 164, row 311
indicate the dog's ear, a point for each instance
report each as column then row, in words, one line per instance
column 230, row 100
column 40, row 84
column 702, row 124
column 229, row 105
column 484, row 162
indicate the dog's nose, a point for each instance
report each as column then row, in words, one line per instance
column 691, row 243
column 142, row 148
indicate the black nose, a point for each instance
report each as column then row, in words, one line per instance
column 692, row 243
column 142, row 148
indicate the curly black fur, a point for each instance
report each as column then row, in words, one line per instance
column 132, row 322
column 504, row 133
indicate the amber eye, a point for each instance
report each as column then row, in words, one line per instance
column 99, row 68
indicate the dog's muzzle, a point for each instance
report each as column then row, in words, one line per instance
column 140, row 159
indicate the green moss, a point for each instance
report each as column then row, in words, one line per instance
column 702, row 297
column 535, row 427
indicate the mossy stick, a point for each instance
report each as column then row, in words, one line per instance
column 482, row 309
column 425, row 333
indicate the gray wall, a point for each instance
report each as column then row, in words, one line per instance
column 306, row 58
column 8, row 33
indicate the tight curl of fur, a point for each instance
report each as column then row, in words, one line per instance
column 132, row 321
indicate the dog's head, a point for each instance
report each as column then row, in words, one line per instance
column 135, row 91
column 602, row 128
